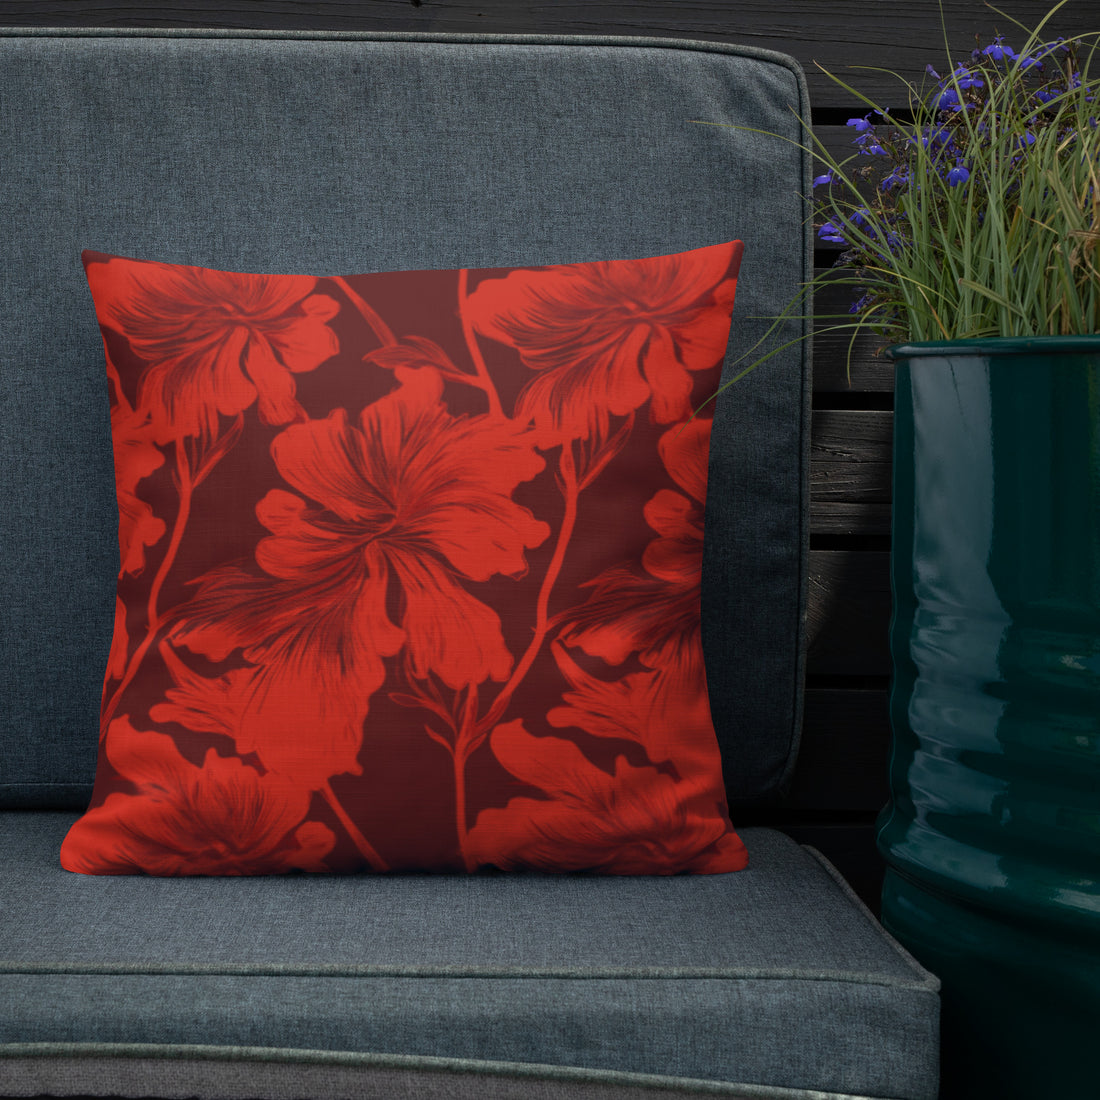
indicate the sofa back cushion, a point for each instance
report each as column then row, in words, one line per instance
column 346, row 153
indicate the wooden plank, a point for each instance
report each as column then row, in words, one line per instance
column 850, row 472
column 838, row 35
column 848, row 615
column 841, row 366
column 845, row 751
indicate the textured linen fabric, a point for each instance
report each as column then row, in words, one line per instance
column 720, row 978
column 330, row 153
column 244, row 1073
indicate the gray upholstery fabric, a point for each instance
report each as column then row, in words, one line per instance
column 245, row 1073
column 773, row 976
column 344, row 153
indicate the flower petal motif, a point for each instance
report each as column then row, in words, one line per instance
column 136, row 457
column 407, row 503
column 655, row 612
column 305, row 737
column 603, row 338
column 216, row 342
column 315, row 646
column 632, row 822
column 220, row 818
column 667, row 712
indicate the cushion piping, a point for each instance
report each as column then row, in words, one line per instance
column 369, row 970
column 173, row 1052
column 929, row 980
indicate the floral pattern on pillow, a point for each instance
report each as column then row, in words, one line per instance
column 410, row 571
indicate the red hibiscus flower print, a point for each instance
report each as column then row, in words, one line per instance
column 666, row 711
column 215, row 342
column 398, row 508
column 136, row 457
column 655, row 612
column 220, row 818
column 632, row 822
column 296, row 735
column 603, row 338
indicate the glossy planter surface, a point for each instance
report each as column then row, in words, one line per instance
column 992, row 835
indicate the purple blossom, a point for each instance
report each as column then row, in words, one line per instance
column 827, row 178
column 899, row 176
column 860, row 125
column 966, row 79
column 1049, row 47
column 940, row 136
column 959, row 174
column 998, row 51
column 946, row 100
column 831, row 233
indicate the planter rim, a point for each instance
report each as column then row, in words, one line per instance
column 997, row 345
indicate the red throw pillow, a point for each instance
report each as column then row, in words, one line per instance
column 410, row 570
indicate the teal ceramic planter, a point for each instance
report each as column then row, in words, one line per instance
column 992, row 835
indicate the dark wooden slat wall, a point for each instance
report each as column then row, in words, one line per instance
column 840, row 783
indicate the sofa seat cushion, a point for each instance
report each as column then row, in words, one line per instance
column 775, row 976
column 328, row 152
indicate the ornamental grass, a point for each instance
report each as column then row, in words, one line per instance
column 974, row 209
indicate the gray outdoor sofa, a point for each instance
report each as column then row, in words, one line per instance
column 350, row 153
